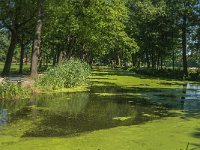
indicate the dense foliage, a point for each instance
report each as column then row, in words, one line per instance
column 177, row 73
column 9, row 90
column 144, row 33
column 71, row 73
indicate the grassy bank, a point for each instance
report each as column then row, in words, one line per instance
column 71, row 76
column 9, row 90
column 125, row 79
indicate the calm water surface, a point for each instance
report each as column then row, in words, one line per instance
column 69, row 114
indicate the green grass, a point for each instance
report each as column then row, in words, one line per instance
column 127, row 79
column 15, row 68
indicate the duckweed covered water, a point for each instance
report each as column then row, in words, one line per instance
column 103, row 112
column 75, row 113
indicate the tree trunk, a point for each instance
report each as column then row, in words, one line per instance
column 147, row 60
column 173, row 59
column 37, row 41
column 21, row 58
column 184, row 45
column 60, row 57
column 158, row 64
column 161, row 62
column 26, row 58
column 47, row 61
column 54, row 59
column 10, row 53
column 173, row 51
column 118, row 61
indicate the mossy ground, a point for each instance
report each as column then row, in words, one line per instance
column 65, row 90
column 171, row 133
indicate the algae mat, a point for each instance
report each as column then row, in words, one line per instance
column 119, row 111
column 167, row 134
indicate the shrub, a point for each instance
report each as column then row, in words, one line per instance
column 193, row 74
column 9, row 90
column 72, row 73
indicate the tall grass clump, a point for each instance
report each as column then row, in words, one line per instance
column 71, row 73
column 9, row 90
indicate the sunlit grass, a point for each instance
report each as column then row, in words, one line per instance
column 15, row 68
column 126, row 79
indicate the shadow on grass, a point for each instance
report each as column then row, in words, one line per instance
column 112, row 72
column 120, row 72
column 196, row 134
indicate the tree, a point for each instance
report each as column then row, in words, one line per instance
column 85, row 29
column 13, row 17
column 37, row 40
column 147, row 24
column 4, row 43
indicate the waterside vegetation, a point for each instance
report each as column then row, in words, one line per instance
column 71, row 73
column 9, row 90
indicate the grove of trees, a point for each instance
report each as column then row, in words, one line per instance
column 147, row 33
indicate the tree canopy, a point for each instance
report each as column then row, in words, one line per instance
column 148, row 33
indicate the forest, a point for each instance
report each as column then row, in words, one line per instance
column 99, row 74
column 156, row 34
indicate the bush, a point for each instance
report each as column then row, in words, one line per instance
column 193, row 74
column 72, row 73
column 9, row 90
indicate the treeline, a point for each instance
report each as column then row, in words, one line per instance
column 148, row 33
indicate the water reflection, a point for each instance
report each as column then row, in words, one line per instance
column 192, row 92
column 63, row 103
column 74, row 113
column 71, row 114
column 3, row 117
column 8, row 110
column 191, row 99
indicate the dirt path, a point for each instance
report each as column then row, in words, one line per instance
column 24, row 80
